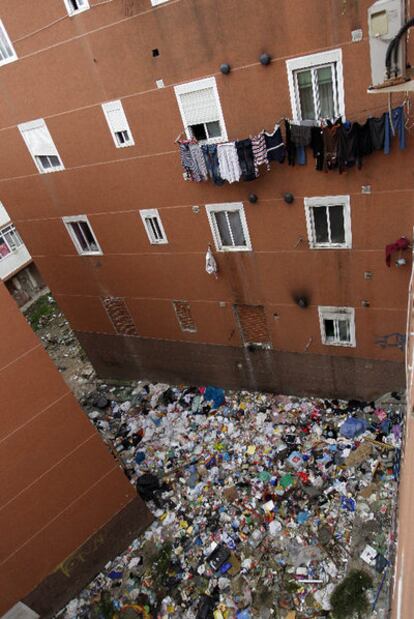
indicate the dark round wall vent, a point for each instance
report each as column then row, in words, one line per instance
column 225, row 69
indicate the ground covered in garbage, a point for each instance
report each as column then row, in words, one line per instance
column 263, row 503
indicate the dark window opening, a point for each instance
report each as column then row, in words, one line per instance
column 198, row 132
column 329, row 328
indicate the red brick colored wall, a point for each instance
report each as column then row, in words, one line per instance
column 72, row 66
column 59, row 484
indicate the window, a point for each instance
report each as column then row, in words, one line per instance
column 10, row 240
column 7, row 53
column 316, row 86
column 118, row 124
column 82, row 235
column 184, row 316
column 200, row 110
column 328, row 221
column 229, row 226
column 153, row 226
column 337, row 326
column 41, row 146
column 74, row 7
column 156, row 2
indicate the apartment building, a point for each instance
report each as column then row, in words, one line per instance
column 96, row 94
column 62, row 490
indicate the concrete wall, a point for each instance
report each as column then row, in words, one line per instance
column 60, row 486
column 72, row 66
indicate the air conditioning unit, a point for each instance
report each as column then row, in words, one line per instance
column 385, row 19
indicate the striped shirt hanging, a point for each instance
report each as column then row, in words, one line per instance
column 259, row 152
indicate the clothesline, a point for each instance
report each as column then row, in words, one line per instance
column 335, row 145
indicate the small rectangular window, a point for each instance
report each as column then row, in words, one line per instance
column 7, row 53
column 229, row 226
column 184, row 317
column 337, row 326
column 118, row 124
column 316, row 86
column 10, row 240
column 153, row 226
column 328, row 220
column 82, row 235
column 10, row 237
column 74, row 7
column 200, row 109
column 41, row 146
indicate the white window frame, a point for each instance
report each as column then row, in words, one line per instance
column 330, row 57
column 228, row 206
column 13, row 56
column 71, row 11
column 40, row 124
column 10, row 230
column 106, row 108
column 152, row 213
column 326, row 201
column 157, row 2
column 209, row 82
column 76, row 219
column 335, row 314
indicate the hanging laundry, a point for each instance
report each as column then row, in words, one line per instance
column 211, row 264
column 246, row 160
column 198, row 160
column 330, row 143
column 377, row 132
column 228, row 161
column 347, row 149
column 190, row 171
column 275, row 146
column 210, row 157
column 400, row 245
column 259, row 152
column 300, row 134
column 398, row 124
column 317, row 146
column 290, row 145
column 364, row 141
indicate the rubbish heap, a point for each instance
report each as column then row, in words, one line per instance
column 262, row 503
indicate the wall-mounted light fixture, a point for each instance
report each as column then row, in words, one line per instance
column 265, row 59
column 225, row 69
column 302, row 302
column 252, row 198
column 288, row 197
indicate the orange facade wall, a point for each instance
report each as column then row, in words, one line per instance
column 59, row 484
column 67, row 69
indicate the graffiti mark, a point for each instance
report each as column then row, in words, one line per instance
column 392, row 340
column 80, row 556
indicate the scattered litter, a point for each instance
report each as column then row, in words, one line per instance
column 262, row 503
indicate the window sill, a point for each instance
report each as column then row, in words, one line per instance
column 220, row 140
column 77, row 11
column 233, row 249
column 51, row 171
column 91, row 253
column 8, row 60
column 125, row 145
column 342, row 344
column 332, row 246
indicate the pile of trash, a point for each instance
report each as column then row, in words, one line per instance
column 262, row 503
